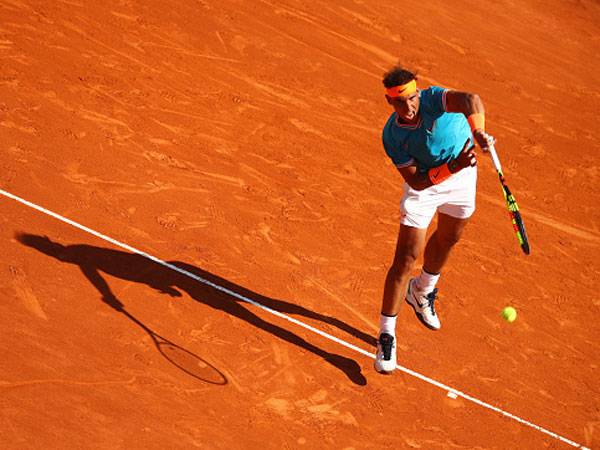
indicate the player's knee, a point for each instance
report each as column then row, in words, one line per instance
column 449, row 239
column 403, row 264
column 394, row 275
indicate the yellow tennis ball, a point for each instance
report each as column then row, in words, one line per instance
column 509, row 314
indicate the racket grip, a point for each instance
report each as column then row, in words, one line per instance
column 495, row 159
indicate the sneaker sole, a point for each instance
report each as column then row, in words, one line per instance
column 384, row 372
column 420, row 316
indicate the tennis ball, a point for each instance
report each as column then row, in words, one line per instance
column 509, row 314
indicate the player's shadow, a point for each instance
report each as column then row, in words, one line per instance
column 93, row 261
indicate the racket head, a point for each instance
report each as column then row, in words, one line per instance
column 191, row 363
column 517, row 220
column 511, row 204
column 521, row 233
column 181, row 358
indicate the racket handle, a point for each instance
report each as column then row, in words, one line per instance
column 495, row 159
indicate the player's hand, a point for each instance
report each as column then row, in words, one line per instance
column 466, row 158
column 484, row 140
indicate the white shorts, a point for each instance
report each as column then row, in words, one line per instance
column 454, row 196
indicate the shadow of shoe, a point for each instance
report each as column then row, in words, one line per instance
column 349, row 367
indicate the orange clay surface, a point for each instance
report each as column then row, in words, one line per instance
column 241, row 141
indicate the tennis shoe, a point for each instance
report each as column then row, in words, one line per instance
column 385, row 359
column 424, row 305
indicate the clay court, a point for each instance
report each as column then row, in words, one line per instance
column 239, row 142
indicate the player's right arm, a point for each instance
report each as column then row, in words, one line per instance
column 92, row 274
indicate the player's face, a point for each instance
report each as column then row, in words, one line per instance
column 407, row 108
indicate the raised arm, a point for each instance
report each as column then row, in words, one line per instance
column 92, row 274
column 472, row 107
column 464, row 102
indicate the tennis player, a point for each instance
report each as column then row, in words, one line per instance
column 430, row 138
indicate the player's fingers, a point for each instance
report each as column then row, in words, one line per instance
column 472, row 158
column 468, row 145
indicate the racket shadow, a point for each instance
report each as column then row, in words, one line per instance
column 93, row 261
column 183, row 359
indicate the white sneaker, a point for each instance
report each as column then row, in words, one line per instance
column 423, row 304
column 385, row 359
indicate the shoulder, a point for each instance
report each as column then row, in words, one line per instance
column 390, row 136
column 433, row 93
column 433, row 99
column 389, row 126
column 390, row 121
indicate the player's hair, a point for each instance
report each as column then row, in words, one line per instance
column 397, row 75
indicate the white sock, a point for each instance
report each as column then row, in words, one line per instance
column 427, row 281
column 387, row 324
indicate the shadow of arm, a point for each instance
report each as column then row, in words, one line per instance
column 100, row 283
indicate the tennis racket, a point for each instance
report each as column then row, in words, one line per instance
column 181, row 358
column 511, row 204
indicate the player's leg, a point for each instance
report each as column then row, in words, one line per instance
column 447, row 234
column 421, row 294
column 417, row 208
column 458, row 205
column 408, row 248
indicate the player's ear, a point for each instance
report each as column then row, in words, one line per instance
column 389, row 99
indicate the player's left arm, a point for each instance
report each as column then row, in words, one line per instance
column 472, row 107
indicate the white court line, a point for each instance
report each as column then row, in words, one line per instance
column 442, row 386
